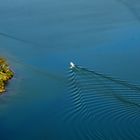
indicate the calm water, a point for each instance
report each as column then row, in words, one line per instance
column 47, row 100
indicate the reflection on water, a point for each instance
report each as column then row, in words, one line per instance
column 39, row 38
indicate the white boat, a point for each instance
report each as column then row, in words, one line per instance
column 72, row 65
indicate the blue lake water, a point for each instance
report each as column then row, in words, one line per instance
column 46, row 100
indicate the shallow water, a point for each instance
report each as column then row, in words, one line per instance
column 40, row 38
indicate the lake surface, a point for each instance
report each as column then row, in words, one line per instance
column 46, row 100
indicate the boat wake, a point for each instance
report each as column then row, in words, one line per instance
column 98, row 100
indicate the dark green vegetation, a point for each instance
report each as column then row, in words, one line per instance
column 5, row 74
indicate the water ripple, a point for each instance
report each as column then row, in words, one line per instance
column 98, row 101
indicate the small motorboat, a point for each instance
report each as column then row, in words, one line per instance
column 72, row 65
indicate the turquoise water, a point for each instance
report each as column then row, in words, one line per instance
column 40, row 38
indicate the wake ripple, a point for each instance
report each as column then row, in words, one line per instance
column 102, row 107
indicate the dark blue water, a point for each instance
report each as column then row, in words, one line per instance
column 46, row 100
